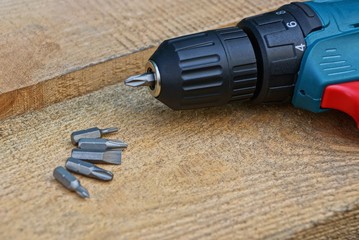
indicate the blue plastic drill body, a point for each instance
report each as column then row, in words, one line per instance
column 332, row 53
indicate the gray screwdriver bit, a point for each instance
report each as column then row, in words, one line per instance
column 88, row 169
column 99, row 144
column 70, row 182
column 90, row 133
column 147, row 79
column 110, row 156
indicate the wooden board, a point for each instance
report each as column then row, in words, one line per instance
column 238, row 171
column 48, row 49
column 248, row 172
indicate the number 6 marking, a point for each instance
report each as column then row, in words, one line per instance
column 292, row 24
column 281, row 12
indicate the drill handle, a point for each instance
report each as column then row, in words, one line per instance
column 329, row 75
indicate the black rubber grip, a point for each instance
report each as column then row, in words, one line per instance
column 206, row 69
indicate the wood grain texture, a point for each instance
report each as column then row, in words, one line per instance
column 343, row 225
column 239, row 171
column 48, row 48
column 233, row 172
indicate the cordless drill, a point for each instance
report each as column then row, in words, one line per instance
column 305, row 52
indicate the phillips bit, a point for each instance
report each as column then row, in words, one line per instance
column 90, row 133
column 88, row 169
column 70, row 182
column 147, row 79
column 110, row 156
column 99, row 144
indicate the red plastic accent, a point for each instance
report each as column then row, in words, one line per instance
column 343, row 97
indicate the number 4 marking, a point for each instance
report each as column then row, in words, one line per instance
column 300, row 47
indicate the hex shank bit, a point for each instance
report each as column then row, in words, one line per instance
column 88, row 169
column 90, row 133
column 70, row 182
column 110, row 156
column 99, row 144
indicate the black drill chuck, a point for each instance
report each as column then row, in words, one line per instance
column 256, row 61
column 206, row 69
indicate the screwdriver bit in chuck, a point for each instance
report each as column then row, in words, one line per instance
column 88, row 169
column 100, row 144
column 110, row 156
column 90, row 133
column 70, row 182
column 147, row 79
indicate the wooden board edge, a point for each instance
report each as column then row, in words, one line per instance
column 72, row 84
column 342, row 225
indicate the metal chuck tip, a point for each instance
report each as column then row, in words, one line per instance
column 147, row 79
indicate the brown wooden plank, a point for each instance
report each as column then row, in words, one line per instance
column 238, row 171
column 248, row 172
column 343, row 225
column 48, row 48
column 72, row 84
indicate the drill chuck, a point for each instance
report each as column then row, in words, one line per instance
column 206, row 69
column 258, row 60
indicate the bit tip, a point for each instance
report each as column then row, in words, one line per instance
column 82, row 192
column 113, row 157
column 109, row 130
column 102, row 174
column 147, row 79
column 116, row 144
